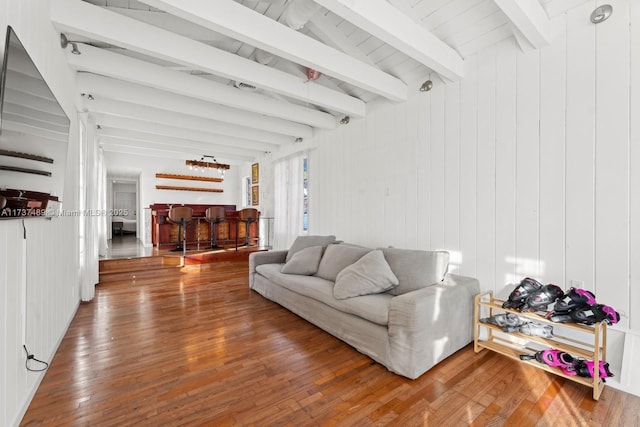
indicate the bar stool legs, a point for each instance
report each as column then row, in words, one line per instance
column 181, row 215
column 215, row 215
column 248, row 215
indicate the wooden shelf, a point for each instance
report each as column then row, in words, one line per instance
column 514, row 344
column 24, row 170
column 188, row 177
column 172, row 187
column 19, row 155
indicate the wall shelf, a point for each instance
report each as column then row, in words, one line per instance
column 19, row 155
column 24, row 170
column 188, row 177
column 173, row 187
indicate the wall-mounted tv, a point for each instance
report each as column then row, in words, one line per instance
column 34, row 136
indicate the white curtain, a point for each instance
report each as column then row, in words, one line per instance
column 103, row 244
column 92, row 217
column 288, row 194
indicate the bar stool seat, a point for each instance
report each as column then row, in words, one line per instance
column 215, row 215
column 181, row 215
column 248, row 215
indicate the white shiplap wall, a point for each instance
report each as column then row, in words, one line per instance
column 528, row 166
column 50, row 270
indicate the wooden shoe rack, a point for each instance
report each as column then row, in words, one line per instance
column 583, row 341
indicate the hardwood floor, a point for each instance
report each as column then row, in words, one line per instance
column 200, row 348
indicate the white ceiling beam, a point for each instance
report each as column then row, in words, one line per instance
column 383, row 21
column 172, row 118
column 105, row 87
column 188, row 149
column 144, row 138
column 529, row 19
column 121, row 67
column 171, row 23
column 178, row 133
column 242, row 23
column 87, row 20
column 166, row 153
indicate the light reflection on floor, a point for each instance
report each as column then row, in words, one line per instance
column 127, row 246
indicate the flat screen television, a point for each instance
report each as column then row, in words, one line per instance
column 34, row 136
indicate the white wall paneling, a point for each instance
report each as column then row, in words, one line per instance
column 451, row 186
column 51, row 276
column 552, row 158
column 527, row 258
column 436, row 181
column 612, row 158
column 423, row 156
column 409, row 137
column 634, row 172
column 486, row 164
column 506, row 137
column 468, row 168
column 580, row 136
column 526, row 167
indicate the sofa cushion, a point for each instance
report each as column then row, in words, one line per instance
column 302, row 242
column 304, row 261
column 369, row 275
column 374, row 308
column 416, row 269
column 337, row 257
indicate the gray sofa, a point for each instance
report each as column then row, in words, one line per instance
column 400, row 307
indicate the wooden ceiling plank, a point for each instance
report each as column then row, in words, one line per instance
column 120, row 67
column 242, row 23
column 385, row 22
column 91, row 21
column 529, row 18
column 330, row 35
column 405, row 7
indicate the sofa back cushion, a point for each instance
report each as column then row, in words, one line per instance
column 337, row 257
column 371, row 274
column 304, row 262
column 416, row 269
column 302, row 242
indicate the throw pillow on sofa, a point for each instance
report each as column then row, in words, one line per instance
column 416, row 269
column 337, row 257
column 302, row 242
column 369, row 275
column 304, row 262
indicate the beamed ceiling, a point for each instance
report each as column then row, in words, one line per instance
column 181, row 78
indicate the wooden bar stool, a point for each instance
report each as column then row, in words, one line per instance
column 181, row 215
column 248, row 215
column 215, row 215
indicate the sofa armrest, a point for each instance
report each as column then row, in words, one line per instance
column 264, row 257
column 429, row 324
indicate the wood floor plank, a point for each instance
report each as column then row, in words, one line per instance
column 201, row 348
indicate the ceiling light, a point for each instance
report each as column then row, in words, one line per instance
column 426, row 86
column 299, row 140
column 64, row 42
column 203, row 165
column 601, row 14
column 345, row 120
